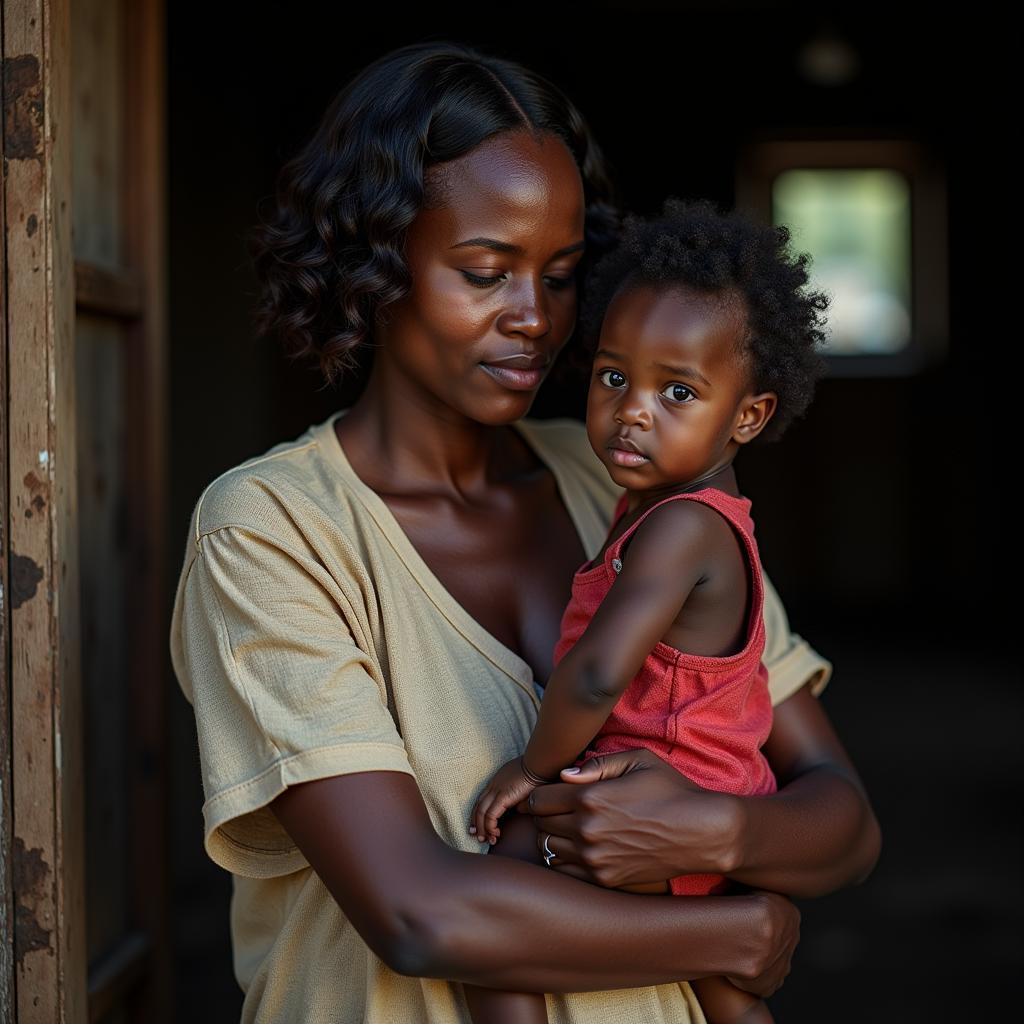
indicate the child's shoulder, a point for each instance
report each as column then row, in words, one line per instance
column 700, row 524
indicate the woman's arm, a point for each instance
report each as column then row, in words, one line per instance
column 631, row 818
column 429, row 910
column 818, row 833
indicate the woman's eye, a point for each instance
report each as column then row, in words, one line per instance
column 612, row 378
column 678, row 393
column 560, row 283
column 480, row 281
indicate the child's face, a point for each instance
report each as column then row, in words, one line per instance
column 670, row 390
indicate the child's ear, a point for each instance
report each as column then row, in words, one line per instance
column 754, row 414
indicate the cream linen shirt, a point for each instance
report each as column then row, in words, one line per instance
column 312, row 640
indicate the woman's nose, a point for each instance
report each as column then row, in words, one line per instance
column 527, row 311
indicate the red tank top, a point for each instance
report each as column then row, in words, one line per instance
column 707, row 717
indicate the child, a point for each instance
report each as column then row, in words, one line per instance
column 708, row 341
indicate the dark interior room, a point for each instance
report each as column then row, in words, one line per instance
column 904, row 585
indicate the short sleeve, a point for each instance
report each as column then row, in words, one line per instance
column 282, row 693
column 791, row 662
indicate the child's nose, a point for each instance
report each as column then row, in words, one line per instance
column 633, row 412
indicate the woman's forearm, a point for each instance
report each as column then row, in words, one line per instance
column 504, row 924
column 429, row 910
column 814, row 836
column 818, row 833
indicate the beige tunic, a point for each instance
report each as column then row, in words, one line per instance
column 312, row 641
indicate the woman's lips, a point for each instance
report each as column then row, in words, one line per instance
column 514, row 378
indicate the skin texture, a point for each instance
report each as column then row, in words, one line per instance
column 430, row 435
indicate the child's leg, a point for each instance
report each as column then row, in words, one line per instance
column 724, row 1003
column 489, row 1005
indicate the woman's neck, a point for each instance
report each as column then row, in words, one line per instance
column 401, row 439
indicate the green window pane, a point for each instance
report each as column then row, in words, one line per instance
column 856, row 226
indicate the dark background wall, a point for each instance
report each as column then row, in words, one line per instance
column 885, row 517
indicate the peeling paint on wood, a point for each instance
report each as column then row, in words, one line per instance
column 25, row 579
column 32, row 877
column 23, row 108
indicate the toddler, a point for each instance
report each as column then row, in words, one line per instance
column 708, row 340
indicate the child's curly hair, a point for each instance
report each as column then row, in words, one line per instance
column 692, row 244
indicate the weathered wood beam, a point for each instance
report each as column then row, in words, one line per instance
column 46, row 754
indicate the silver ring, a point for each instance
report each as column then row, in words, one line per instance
column 549, row 854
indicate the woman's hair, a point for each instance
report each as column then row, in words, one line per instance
column 696, row 246
column 332, row 254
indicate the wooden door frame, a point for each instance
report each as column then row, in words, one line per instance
column 46, row 784
column 43, row 968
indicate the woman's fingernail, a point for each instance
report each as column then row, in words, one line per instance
column 472, row 830
column 570, row 771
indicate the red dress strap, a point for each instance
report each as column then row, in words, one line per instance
column 735, row 510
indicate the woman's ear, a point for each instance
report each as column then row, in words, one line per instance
column 754, row 413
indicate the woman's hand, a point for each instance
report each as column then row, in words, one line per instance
column 630, row 818
column 511, row 784
column 775, row 947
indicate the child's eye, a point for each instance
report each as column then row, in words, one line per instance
column 612, row 378
column 678, row 393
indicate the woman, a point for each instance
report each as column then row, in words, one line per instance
column 363, row 612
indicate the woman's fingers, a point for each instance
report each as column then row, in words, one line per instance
column 551, row 848
column 557, row 798
column 778, row 935
column 604, row 766
column 565, row 825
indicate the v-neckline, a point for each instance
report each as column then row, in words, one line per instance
column 482, row 639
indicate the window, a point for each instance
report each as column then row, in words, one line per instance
column 872, row 216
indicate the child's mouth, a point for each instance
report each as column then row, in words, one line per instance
column 622, row 455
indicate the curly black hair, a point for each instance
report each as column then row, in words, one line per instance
column 694, row 245
column 331, row 256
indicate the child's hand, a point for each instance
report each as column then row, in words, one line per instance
column 509, row 786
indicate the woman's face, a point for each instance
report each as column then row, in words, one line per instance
column 492, row 260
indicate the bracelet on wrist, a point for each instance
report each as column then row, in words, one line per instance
column 537, row 780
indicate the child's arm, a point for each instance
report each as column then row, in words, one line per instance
column 668, row 557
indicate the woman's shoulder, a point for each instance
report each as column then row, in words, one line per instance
column 290, row 486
